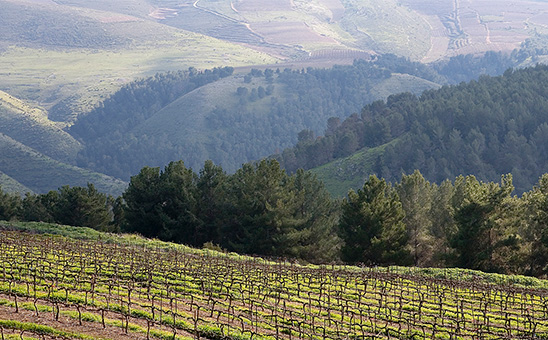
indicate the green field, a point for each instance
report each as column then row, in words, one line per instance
column 341, row 175
column 75, row 279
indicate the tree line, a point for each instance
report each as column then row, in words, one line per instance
column 262, row 210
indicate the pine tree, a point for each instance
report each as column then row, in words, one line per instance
column 416, row 197
column 372, row 225
column 479, row 233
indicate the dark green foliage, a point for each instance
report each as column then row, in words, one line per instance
column 271, row 213
column 82, row 207
column 9, row 204
column 536, row 233
column 210, row 195
column 487, row 127
column 142, row 199
column 258, row 210
column 162, row 204
column 262, row 117
column 39, row 207
column 75, row 206
column 372, row 225
column 314, row 237
column 478, row 233
column 466, row 67
column 177, row 194
column 415, row 194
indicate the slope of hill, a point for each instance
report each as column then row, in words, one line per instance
column 40, row 173
column 67, row 57
column 10, row 185
column 486, row 128
column 343, row 174
column 31, row 126
column 93, row 285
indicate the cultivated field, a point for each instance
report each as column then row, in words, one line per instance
column 476, row 26
column 125, row 287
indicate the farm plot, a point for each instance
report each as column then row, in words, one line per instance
column 289, row 33
column 262, row 5
column 162, row 293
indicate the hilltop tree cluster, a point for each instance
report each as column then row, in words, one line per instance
column 262, row 210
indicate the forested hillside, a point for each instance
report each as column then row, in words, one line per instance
column 233, row 119
column 216, row 114
column 489, row 127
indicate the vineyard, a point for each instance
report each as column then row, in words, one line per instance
column 53, row 287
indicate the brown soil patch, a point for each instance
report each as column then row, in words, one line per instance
column 64, row 324
column 163, row 13
column 69, row 324
column 262, row 5
column 288, row 33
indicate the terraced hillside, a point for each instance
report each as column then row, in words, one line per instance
column 112, row 287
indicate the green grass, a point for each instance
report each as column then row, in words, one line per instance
column 341, row 175
column 90, row 76
column 386, row 27
column 114, row 49
column 399, row 83
column 10, row 185
column 41, row 329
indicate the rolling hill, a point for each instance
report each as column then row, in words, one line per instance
column 62, row 59
column 233, row 120
column 31, row 126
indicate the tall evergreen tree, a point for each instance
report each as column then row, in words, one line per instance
column 210, row 195
column 258, row 208
column 479, row 233
column 143, row 204
column 372, row 226
column 84, row 207
column 313, row 236
column 9, row 205
column 416, row 197
column 536, row 229
column 178, row 203
column 162, row 204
